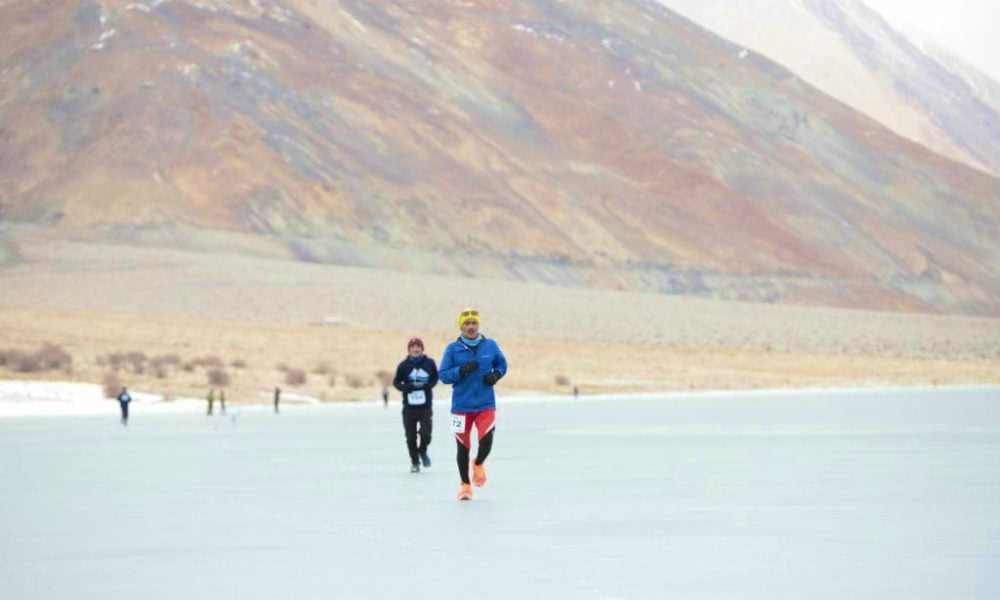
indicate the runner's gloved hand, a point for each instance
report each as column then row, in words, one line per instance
column 468, row 367
column 408, row 387
column 492, row 378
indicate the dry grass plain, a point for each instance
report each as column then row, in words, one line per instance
column 95, row 299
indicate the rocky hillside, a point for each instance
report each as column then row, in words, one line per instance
column 849, row 51
column 592, row 143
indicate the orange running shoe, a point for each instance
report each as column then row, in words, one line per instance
column 479, row 475
column 465, row 492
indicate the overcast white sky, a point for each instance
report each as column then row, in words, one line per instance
column 968, row 28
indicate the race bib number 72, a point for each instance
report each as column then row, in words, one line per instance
column 458, row 423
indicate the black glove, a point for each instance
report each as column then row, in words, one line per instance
column 408, row 387
column 468, row 367
column 492, row 378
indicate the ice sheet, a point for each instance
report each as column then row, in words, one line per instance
column 859, row 494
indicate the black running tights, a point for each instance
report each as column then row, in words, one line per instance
column 485, row 445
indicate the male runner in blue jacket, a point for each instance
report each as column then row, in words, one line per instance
column 472, row 364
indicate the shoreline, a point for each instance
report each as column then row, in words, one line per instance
column 42, row 398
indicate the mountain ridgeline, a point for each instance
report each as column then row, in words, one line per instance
column 849, row 51
column 611, row 144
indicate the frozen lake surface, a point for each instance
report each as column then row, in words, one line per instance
column 875, row 494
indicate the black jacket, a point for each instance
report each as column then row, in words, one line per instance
column 413, row 372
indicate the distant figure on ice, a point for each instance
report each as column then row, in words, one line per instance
column 473, row 364
column 123, row 399
column 576, row 392
column 416, row 377
column 222, row 402
column 211, row 400
column 277, row 398
column 385, row 397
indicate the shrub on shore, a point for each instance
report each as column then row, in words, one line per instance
column 384, row 377
column 218, row 377
column 111, row 385
column 209, row 362
column 49, row 357
column 322, row 368
column 295, row 376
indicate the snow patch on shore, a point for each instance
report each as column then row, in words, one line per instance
column 65, row 398
column 56, row 398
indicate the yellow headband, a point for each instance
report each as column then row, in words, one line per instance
column 469, row 314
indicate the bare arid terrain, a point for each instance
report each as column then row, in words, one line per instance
column 179, row 311
column 611, row 145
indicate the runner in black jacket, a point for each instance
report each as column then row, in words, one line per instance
column 123, row 400
column 416, row 377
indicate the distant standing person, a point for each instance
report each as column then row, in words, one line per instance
column 385, row 397
column 416, row 377
column 473, row 364
column 211, row 400
column 123, row 400
column 222, row 402
column 277, row 398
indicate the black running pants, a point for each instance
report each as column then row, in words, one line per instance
column 417, row 421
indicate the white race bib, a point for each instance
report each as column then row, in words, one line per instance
column 458, row 423
column 417, row 397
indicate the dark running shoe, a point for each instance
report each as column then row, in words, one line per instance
column 426, row 460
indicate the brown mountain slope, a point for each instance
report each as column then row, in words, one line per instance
column 609, row 144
